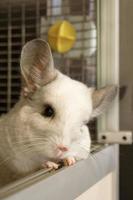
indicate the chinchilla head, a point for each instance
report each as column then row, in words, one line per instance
column 56, row 106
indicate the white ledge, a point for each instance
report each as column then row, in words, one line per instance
column 66, row 183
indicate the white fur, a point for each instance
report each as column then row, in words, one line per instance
column 25, row 125
column 29, row 139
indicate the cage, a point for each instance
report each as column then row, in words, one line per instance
column 21, row 21
column 96, row 45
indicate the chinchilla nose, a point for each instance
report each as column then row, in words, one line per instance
column 62, row 148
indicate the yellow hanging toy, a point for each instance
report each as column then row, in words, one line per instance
column 61, row 36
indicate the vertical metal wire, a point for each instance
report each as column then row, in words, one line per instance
column 83, row 41
column 9, row 77
column 23, row 32
column 65, row 8
column 48, row 10
column 38, row 18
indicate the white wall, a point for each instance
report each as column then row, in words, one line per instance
column 103, row 190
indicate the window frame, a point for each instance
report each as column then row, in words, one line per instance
column 108, row 73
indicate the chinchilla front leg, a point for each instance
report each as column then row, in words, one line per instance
column 79, row 149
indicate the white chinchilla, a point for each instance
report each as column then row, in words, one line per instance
column 48, row 124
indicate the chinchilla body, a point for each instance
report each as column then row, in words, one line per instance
column 49, row 122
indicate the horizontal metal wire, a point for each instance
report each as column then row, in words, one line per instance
column 5, row 101
column 2, row 84
column 5, row 93
column 3, row 36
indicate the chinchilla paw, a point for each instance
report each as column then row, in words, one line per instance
column 50, row 165
column 69, row 161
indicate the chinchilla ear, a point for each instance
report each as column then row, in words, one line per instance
column 102, row 98
column 37, row 67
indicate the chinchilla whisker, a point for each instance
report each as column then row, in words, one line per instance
column 19, row 153
column 5, row 160
column 26, row 146
column 52, row 139
column 28, row 150
column 55, row 139
column 92, row 156
column 25, row 141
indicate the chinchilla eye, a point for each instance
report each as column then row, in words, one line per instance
column 48, row 111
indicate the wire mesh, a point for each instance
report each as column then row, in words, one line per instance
column 80, row 61
column 22, row 20
column 19, row 23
